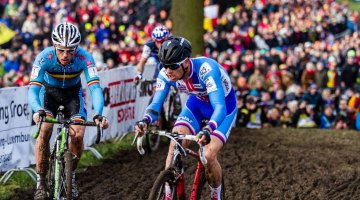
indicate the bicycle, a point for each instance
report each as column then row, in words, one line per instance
column 59, row 177
column 174, row 176
column 164, row 121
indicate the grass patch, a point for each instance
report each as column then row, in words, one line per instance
column 352, row 4
column 22, row 181
column 19, row 180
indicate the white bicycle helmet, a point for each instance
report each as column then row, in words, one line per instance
column 160, row 33
column 66, row 34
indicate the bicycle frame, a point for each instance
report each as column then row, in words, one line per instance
column 178, row 166
column 60, row 155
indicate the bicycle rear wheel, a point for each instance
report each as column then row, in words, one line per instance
column 166, row 177
column 202, row 186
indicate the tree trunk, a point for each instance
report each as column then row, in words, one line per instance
column 187, row 17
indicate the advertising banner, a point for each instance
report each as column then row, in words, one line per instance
column 124, row 101
column 16, row 143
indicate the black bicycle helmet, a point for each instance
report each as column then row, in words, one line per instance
column 174, row 50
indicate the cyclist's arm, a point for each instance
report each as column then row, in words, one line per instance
column 212, row 81
column 140, row 65
column 144, row 57
column 162, row 89
column 36, row 80
column 93, row 82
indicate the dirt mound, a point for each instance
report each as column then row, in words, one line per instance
column 257, row 164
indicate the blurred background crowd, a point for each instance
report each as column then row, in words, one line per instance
column 292, row 63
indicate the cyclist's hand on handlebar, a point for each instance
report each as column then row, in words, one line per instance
column 141, row 127
column 204, row 136
column 38, row 114
column 102, row 120
column 137, row 78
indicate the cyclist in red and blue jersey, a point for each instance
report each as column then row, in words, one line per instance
column 151, row 49
column 55, row 80
column 211, row 97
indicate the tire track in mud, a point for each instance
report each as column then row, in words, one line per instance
column 257, row 164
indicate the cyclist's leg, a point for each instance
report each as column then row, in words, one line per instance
column 42, row 144
column 188, row 122
column 76, row 109
column 218, row 139
column 77, row 112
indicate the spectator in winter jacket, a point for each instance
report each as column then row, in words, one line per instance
column 320, row 76
column 327, row 118
column 251, row 115
column 313, row 97
column 349, row 71
column 306, row 116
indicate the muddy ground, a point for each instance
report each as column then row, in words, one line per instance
column 257, row 164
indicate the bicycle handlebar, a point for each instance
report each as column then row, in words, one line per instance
column 175, row 137
column 67, row 122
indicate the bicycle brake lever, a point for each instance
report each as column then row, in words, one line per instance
column 139, row 145
column 202, row 154
column 133, row 142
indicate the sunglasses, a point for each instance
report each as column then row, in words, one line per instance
column 67, row 51
column 174, row 66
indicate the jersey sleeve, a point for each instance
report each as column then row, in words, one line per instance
column 211, row 78
column 146, row 51
column 93, row 82
column 36, row 81
column 162, row 89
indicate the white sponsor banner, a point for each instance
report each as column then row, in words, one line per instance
column 14, row 109
column 16, row 148
column 124, row 101
column 16, row 143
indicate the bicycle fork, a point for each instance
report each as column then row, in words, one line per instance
column 195, row 186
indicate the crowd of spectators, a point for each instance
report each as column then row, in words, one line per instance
column 113, row 31
column 293, row 63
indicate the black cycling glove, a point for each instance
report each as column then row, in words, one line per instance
column 207, row 133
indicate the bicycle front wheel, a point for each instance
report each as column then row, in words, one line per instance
column 68, row 174
column 60, row 177
column 166, row 179
column 152, row 142
column 51, row 176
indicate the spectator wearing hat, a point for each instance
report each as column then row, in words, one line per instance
column 350, row 71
